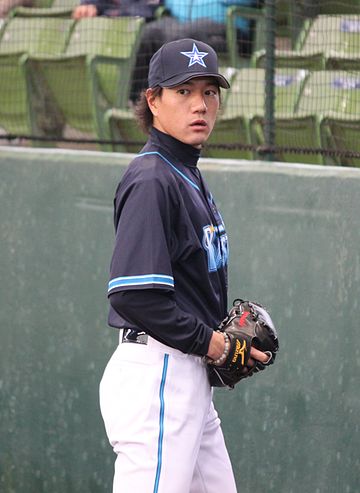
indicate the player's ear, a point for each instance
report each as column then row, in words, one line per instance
column 152, row 100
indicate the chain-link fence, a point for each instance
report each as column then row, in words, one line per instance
column 70, row 73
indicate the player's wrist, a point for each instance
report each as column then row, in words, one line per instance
column 216, row 345
column 222, row 358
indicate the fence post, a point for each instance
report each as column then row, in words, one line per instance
column 270, row 33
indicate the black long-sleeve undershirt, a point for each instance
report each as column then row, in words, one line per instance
column 157, row 314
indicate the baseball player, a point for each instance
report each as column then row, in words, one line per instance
column 168, row 290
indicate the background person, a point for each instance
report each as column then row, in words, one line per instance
column 204, row 20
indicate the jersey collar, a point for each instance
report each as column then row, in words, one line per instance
column 184, row 153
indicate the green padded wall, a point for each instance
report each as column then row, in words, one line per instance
column 294, row 246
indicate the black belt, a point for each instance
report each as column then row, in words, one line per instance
column 134, row 336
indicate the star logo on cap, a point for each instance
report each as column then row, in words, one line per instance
column 195, row 56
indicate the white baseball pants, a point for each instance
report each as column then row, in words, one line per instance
column 157, row 407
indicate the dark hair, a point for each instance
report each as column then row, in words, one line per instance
column 143, row 114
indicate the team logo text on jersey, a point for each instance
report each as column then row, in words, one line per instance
column 195, row 56
column 215, row 243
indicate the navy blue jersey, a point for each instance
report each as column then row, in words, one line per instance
column 170, row 236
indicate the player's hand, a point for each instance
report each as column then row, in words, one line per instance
column 82, row 11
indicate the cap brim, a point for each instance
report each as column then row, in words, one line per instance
column 181, row 78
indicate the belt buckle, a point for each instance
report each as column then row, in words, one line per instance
column 134, row 336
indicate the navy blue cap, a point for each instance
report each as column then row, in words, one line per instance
column 181, row 60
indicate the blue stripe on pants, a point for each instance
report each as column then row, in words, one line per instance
column 161, row 423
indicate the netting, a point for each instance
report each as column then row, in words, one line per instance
column 70, row 75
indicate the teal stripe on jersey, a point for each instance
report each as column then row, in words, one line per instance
column 141, row 281
column 173, row 166
column 161, row 423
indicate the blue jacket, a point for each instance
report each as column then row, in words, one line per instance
column 191, row 10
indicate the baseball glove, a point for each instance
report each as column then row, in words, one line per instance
column 247, row 324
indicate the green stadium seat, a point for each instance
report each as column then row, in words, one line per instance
column 339, row 7
column 243, row 109
column 94, row 73
column 338, row 61
column 341, row 133
column 121, row 126
column 257, row 17
column 328, row 41
column 3, row 23
column 25, row 106
column 331, row 91
column 244, row 99
column 15, row 111
column 300, row 131
column 291, row 59
column 282, row 18
column 300, row 12
column 38, row 4
column 297, row 132
column 345, row 54
column 42, row 3
column 335, row 96
column 325, row 93
column 339, row 33
column 317, row 37
column 333, row 35
column 35, row 36
column 289, row 84
column 230, row 129
column 55, row 8
column 60, row 3
column 312, row 59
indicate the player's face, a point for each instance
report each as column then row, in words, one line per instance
column 188, row 111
